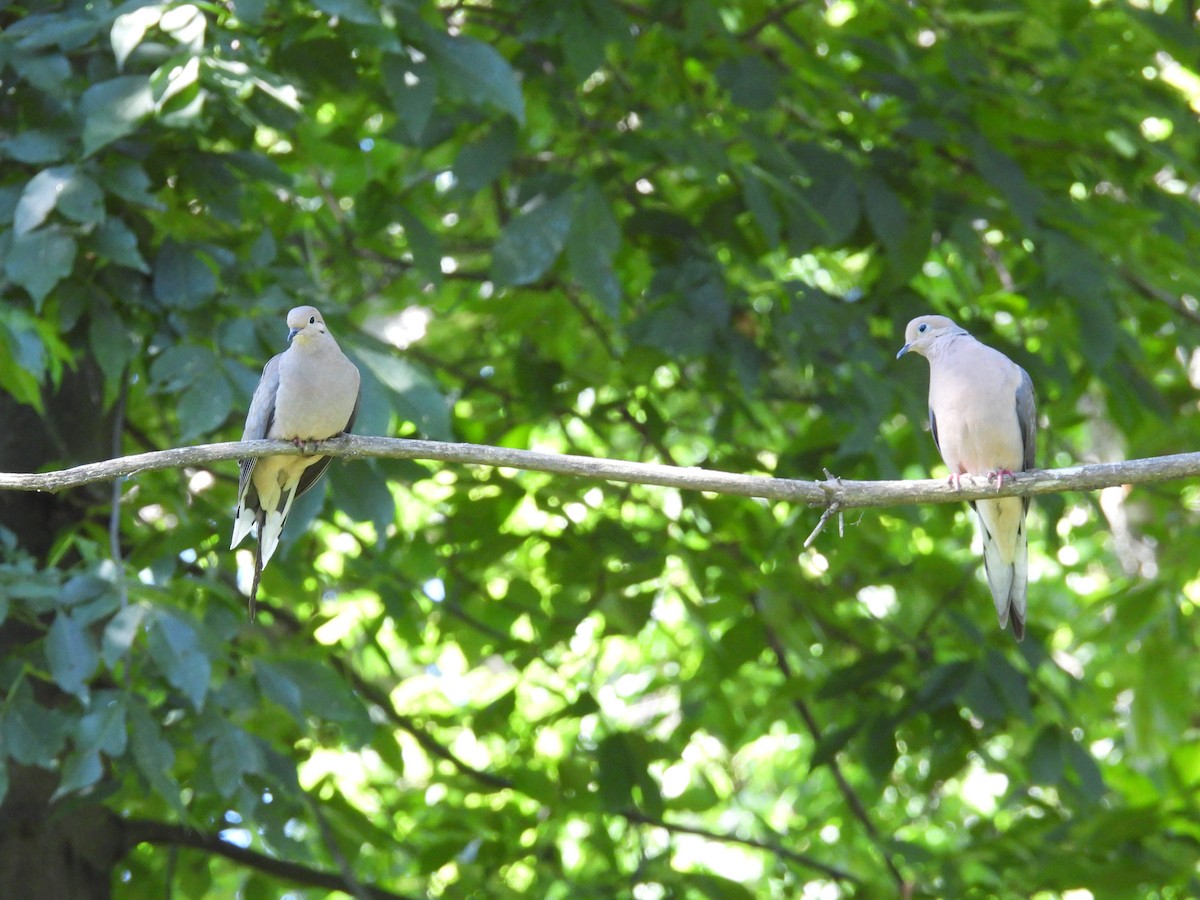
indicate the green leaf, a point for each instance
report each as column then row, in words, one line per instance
column 364, row 495
column 692, row 311
column 307, row 688
column 482, row 74
column 177, row 95
column 181, row 278
column 423, row 244
column 532, row 241
column 860, row 674
column 71, row 655
column 114, row 242
column 103, row 729
column 1047, row 758
column 154, row 757
column 181, row 365
column 832, row 742
column 885, row 212
column 358, row 11
column 617, row 773
column 113, row 109
column 234, row 754
column 130, row 28
column 39, row 260
column 32, row 734
column 186, row 24
column 250, row 12
column 204, row 405
column 35, row 147
column 121, row 631
column 752, row 82
column 66, row 30
column 480, row 163
column 1006, row 176
column 129, row 181
column 592, row 242
column 279, row 687
column 176, row 650
column 417, row 397
column 412, row 88
column 82, row 588
column 79, row 771
column 757, row 196
column 46, row 72
column 943, row 684
column 879, row 747
column 25, row 387
column 1085, row 771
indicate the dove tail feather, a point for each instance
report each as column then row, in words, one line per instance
column 259, row 562
column 268, row 535
column 1007, row 581
column 243, row 521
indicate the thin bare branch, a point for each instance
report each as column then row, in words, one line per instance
column 139, row 831
column 773, row 847
column 846, row 494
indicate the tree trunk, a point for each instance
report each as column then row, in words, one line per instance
column 63, row 850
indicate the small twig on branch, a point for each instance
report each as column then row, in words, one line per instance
column 829, row 486
column 847, row 494
column 833, row 509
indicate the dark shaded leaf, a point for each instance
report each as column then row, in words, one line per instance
column 39, row 260
column 482, row 74
column 112, row 109
column 532, row 241
column 71, row 655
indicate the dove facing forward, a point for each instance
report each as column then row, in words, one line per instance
column 307, row 393
column 984, row 421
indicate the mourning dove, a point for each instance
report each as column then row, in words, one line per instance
column 308, row 393
column 981, row 411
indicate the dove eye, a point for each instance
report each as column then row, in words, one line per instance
column 312, row 320
column 922, row 327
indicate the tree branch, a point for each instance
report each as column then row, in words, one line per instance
column 833, row 872
column 148, row 831
column 846, row 494
column 849, row 795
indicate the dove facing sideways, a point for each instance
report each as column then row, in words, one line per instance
column 984, row 421
column 307, row 393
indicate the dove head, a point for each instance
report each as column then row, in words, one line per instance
column 922, row 331
column 304, row 324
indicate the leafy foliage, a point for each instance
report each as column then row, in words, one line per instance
column 679, row 231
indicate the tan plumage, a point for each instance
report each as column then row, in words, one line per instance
column 984, row 421
column 307, row 393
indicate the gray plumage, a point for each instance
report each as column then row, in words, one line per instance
column 984, row 421
column 307, row 393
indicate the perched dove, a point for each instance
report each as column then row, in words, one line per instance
column 308, row 393
column 981, row 410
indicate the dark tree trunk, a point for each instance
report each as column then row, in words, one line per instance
column 63, row 850
column 54, row 851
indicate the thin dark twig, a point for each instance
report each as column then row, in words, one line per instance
column 352, row 884
column 148, row 831
column 803, row 859
column 853, row 801
column 380, row 698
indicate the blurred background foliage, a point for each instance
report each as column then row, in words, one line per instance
column 680, row 231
